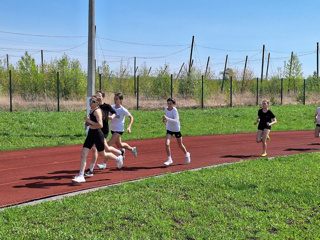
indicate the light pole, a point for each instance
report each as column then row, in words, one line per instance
column 91, row 53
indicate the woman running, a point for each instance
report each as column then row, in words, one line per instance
column 95, row 137
column 266, row 119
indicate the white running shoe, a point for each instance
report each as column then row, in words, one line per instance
column 134, row 150
column 79, row 179
column 188, row 158
column 168, row 162
column 119, row 161
column 102, row 165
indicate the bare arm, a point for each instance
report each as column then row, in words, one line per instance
column 274, row 121
column 95, row 125
column 130, row 124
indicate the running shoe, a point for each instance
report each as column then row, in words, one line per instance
column 88, row 173
column 119, row 161
column 168, row 162
column 134, row 150
column 188, row 158
column 79, row 179
column 263, row 154
column 268, row 138
column 102, row 165
column 123, row 152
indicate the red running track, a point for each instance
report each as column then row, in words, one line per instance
column 33, row 174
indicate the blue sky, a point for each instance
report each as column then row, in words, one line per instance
column 160, row 32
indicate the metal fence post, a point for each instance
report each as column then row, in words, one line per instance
column 281, row 91
column 202, row 92
column 257, row 100
column 171, row 85
column 304, row 92
column 58, row 91
column 138, row 92
column 10, row 90
column 230, row 91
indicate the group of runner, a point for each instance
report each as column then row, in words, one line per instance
column 97, row 122
column 101, row 112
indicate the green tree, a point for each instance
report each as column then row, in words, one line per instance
column 293, row 72
column 31, row 82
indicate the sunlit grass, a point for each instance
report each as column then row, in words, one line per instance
column 33, row 129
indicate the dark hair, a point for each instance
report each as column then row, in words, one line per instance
column 102, row 93
column 119, row 95
column 97, row 98
column 171, row 100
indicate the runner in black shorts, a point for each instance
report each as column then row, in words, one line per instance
column 95, row 137
column 173, row 128
column 265, row 119
column 107, row 113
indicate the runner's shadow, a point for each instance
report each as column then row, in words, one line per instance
column 129, row 169
column 240, row 156
column 314, row 144
column 301, row 149
column 48, row 185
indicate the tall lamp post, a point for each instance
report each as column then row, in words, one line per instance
column 91, row 53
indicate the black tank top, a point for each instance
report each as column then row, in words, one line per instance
column 93, row 117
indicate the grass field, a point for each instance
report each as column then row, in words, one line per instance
column 29, row 129
column 256, row 199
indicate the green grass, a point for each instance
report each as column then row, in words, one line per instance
column 25, row 129
column 255, row 199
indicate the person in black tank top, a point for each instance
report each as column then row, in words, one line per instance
column 266, row 119
column 107, row 113
column 95, row 137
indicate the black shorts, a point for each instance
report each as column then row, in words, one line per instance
column 176, row 134
column 112, row 132
column 95, row 137
column 264, row 127
column 318, row 125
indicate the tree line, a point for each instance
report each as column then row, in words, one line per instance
column 30, row 82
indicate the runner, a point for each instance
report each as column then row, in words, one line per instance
column 317, row 122
column 117, row 127
column 107, row 113
column 266, row 119
column 94, row 137
column 173, row 128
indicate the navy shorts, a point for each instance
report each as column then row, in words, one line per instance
column 176, row 134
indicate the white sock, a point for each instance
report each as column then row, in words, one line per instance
column 118, row 151
column 92, row 166
column 81, row 174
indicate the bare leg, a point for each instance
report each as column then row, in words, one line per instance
column 259, row 136
column 168, row 140
column 83, row 162
column 183, row 148
column 107, row 156
column 264, row 140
